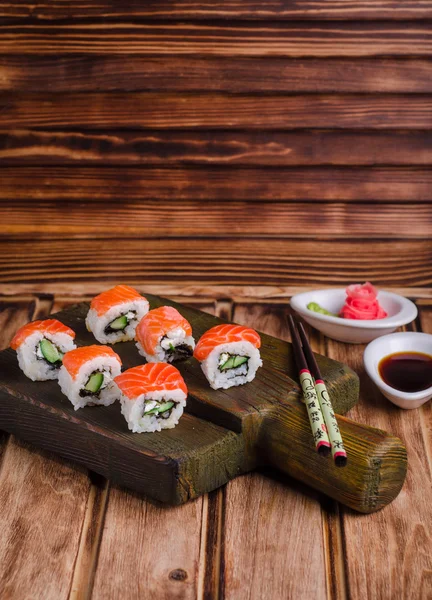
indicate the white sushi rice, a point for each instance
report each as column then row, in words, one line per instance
column 109, row 392
column 231, row 377
column 97, row 323
column 31, row 359
column 133, row 409
column 175, row 337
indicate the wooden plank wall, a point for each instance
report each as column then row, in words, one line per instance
column 221, row 144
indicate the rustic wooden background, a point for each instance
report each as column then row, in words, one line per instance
column 228, row 155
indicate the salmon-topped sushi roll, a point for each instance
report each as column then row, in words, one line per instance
column 87, row 376
column 40, row 347
column 153, row 397
column 229, row 355
column 115, row 313
column 164, row 335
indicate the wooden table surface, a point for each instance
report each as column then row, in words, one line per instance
column 226, row 155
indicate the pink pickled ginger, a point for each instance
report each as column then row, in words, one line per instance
column 362, row 303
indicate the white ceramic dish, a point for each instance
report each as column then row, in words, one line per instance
column 400, row 311
column 406, row 341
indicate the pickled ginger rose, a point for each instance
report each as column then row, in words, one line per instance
column 361, row 303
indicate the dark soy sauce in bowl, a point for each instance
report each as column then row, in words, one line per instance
column 407, row 371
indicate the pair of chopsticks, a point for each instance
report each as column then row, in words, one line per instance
column 322, row 419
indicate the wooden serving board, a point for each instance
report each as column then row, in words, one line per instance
column 222, row 434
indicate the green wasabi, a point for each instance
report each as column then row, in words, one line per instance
column 315, row 307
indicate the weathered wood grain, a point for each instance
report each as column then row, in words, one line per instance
column 215, row 149
column 151, row 561
column 213, row 111
column 268, row 521
column 188, row 293
column 93, row 185
column 90, row 72
column 232, row 9
column 210, row 262
column 294, row 39
column 272, row 541
column 86, row 560
column 425, row 411
column 398, row 559
column 43, row 501
column 149, row 219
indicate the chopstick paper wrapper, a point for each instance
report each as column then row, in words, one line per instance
column 337, row 448
column 316, row 419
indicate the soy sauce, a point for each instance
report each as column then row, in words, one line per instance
column 407, row 371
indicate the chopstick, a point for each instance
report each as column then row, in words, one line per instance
column 337, row 447
column 316, row 419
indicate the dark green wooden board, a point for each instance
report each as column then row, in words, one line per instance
column 224, row 433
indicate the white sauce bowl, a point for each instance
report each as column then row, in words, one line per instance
column 400, row 311
column 407, row 341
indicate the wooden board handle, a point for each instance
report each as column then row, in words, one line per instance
column 377, row 461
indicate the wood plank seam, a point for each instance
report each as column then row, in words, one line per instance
column 214, row 111
column 81, row 72
column 233, row 10
column 270, row 38
column 213, row 574
column 336, row 575
column 37, row 308
column 417, row 326
column 83, row 573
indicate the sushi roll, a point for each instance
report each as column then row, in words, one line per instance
column 40, row 347
column 153, row 397
column 115, row 313
column 229, row 355
column 163, row 335
column 87, row 376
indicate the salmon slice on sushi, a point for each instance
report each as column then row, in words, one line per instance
column 153, row 397
column 164, row 335
column 115, row 313
column 229, row 355
column 87, row 376
column 40, row 347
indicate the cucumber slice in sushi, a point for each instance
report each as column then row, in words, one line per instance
column 229, row 364
column 240, row 360
column 164, row 407
column 94, row 383
column 233, row 362
column 119, row 323
column 158, row 410
column 50, row 352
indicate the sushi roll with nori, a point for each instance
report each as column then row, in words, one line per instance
column 115, row 313
column 87, row 376
column 40, row 347
column 229, row 355
column 164, row 335
column 153, row 397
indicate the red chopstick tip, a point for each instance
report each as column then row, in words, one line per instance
column 305, row 371
column 319, row 381
column 323, row 448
